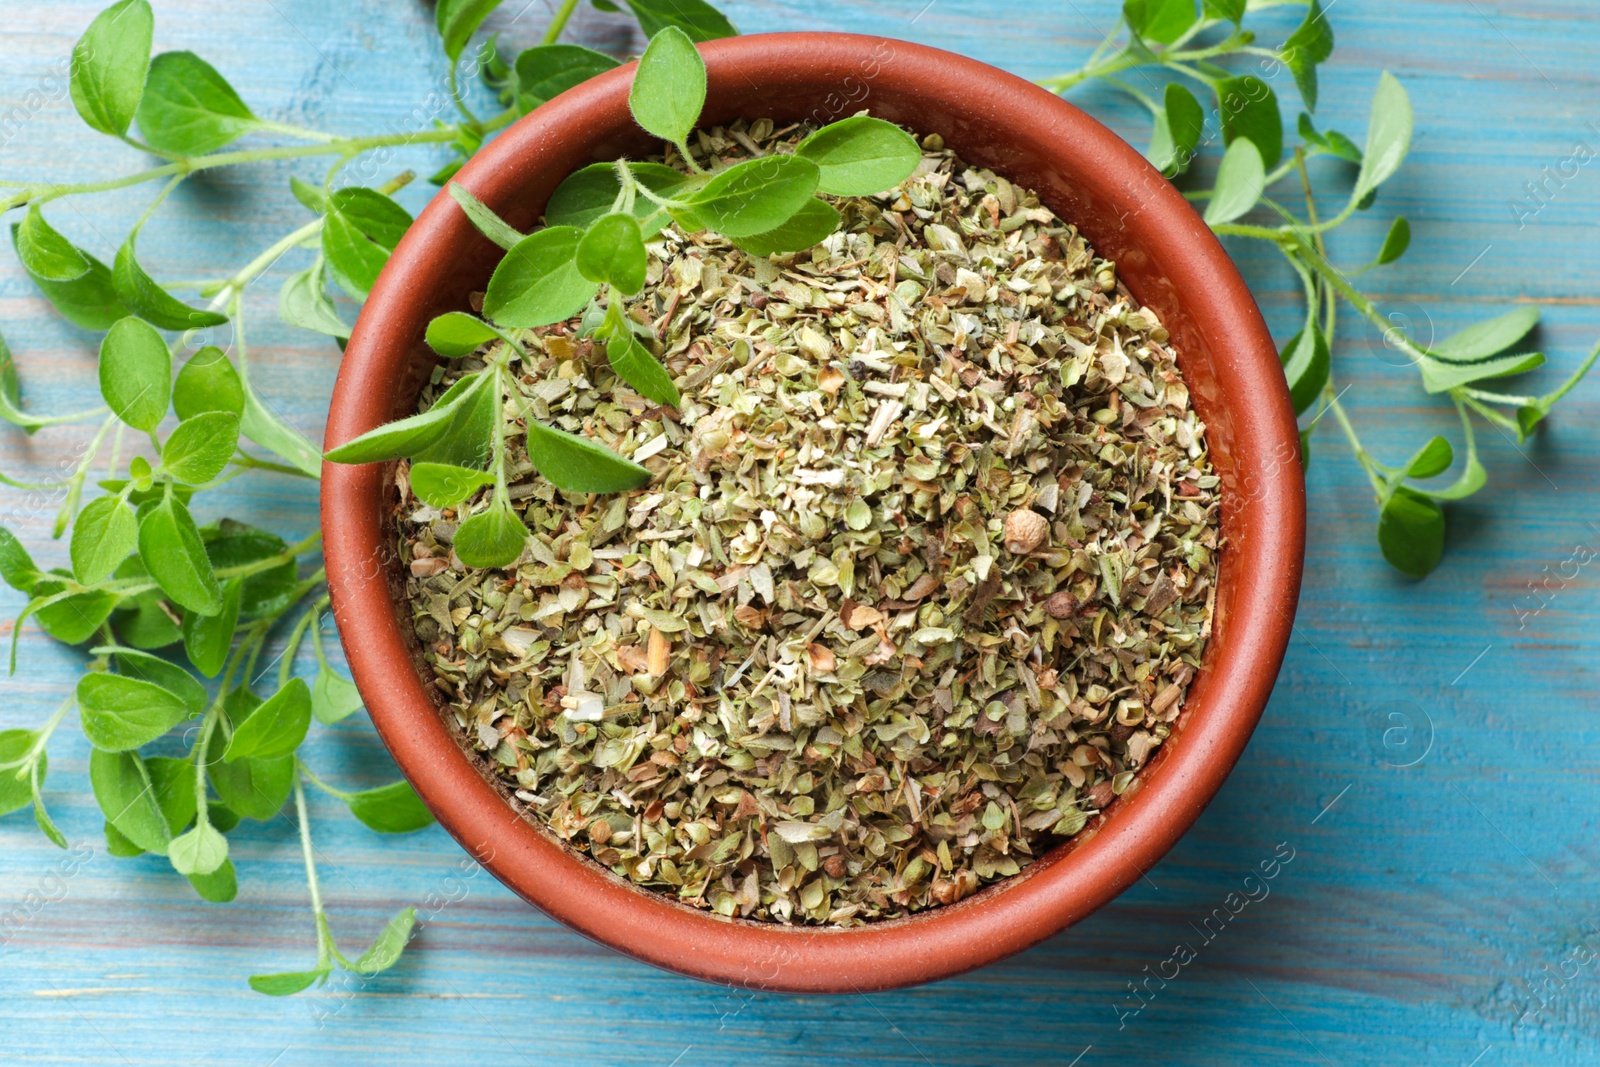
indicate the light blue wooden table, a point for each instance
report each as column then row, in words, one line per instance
column 1425, row 907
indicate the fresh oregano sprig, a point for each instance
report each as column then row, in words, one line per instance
column 588, row 257
column 1188, row 41
column 178, row 612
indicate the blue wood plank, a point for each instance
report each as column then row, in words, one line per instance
column 1425, row 905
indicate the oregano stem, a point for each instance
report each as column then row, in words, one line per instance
column 558, row 23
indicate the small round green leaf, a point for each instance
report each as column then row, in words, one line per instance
column 669, row 88
column 45, row 253
column 333, row 699
column 287, row 985
column 208, row 382
column 1396, row 243
column 1388, row 136
column 208, row 638
column 200, row 851
column 199, row 448
column 136, row 373
column 492, row 538
column 546, row 71
column 612, row 252
column 455, row 333
column 1411, row 532
column 698, row 19
column 218, row 887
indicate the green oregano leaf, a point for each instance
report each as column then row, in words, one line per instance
column 172, row 779
column 669, row 88
column 538, row 282
column 104, row 535
column 1159, row 21
column 588, row 194
column 812, row 224
column 15, row 792
column 698, row 19
column 207, row 638
column 458, row 20
column 200, row 851
column 304, row 302
column 612, row 252
column 1249, row 109
column 1439, row 376
column 208, row 382
column 200, row 447
column 188, row 108
column 753, row 196
column 1396, row 243
column 276, row 728
column 455, row 334
column 1231, row 10
column 1388, row 136
column 1177, row 132
column 390, row 809
column 288, row 984
column 385, row 951
column 1306, row 364
column 633, row 362
column 148, row 300
column 1411, row 532
column 218, row 887
column 578, row 464
column 363, row 226
column 860, row 156
column 488, row 223
column 491, row 538
column 1431, row 460
column 170, row 546
column 17, row 568
column 333, row 699
column 109, row 64
column 253, row 788
column 411, row 435
column 1311, row 43
column 546, row 71
column 44, row 252
column 164, row 673
column 1483, row 339
column 121, row 713
column 127, row 798
column 444, row 485
column 89, row 301
column 136, row 373
column 1241, row 179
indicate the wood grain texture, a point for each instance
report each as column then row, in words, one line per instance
column 1423, row 905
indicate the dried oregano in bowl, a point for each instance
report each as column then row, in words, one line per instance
column 922, row 569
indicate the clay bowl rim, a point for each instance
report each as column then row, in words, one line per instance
column 1170, row 261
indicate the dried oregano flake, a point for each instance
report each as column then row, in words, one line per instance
column 924, row 570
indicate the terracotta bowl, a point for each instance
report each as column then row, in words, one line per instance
column 1169, row 260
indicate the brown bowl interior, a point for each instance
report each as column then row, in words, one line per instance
column 1168, row 259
